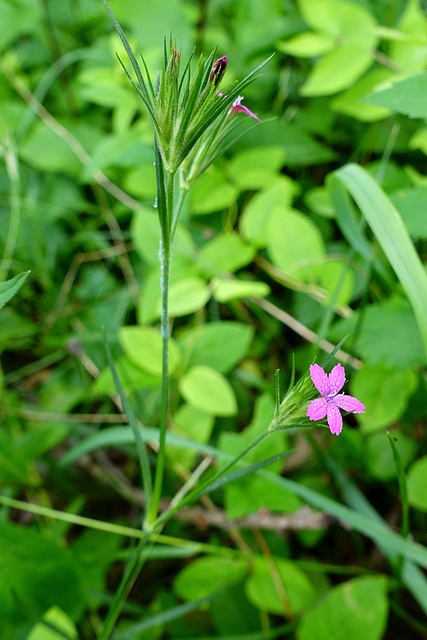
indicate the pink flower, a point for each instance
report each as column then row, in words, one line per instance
column 237, row 107
column 330, row 403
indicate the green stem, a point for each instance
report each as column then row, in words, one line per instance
column 136, row 562
column 165, row 261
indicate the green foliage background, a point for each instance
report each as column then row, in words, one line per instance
column 271, row 259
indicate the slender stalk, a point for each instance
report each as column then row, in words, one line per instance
column 137, row 561
column 165, row 262
column 12, row 168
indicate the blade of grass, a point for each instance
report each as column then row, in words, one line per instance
column 137, row 433
column 161, row 618
column 411, row 575
column 364, row 523
column 400, row 471
column 241, row 473
column 386, row 224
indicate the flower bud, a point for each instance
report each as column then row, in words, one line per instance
column 218, row 70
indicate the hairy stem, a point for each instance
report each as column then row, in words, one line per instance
column 165, row 262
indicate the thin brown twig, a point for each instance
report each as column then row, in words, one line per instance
column 304, row 332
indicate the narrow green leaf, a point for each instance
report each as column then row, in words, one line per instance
column 144, row 93
column 161, row 618
column 245, row 471
column 390, row 232
column 140, row 444
column 411, row 575
column 374, row 530
column 9, row 288
column 402, row 486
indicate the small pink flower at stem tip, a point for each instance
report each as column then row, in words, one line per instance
column 238, row 107
column 218, row 70
column 331, row 402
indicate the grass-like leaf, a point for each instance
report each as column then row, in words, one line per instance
column 411, row 575
column 245, row 471
column 137, row 433
column 365, row 523
column 161, row 618
column 390, row 232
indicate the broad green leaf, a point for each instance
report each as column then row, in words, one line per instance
column 141, row 182
column 143, row 347
column 60, row 620
column 194, row 424
column 224, row 254
column 131, row 376
column 253, row 492
column 400, row 344
column 204, row 576
column 356, row 609
column 379, row 458
column 307, row 45
column 145, row 231
column 389, row 231
column 206, row 389
column 43, row 575
column 319, row 201
column 187, row 295
column 406, row 96
column 410, row 53
column 345, row 21
column 419, row 140
column 219, row 345
column 384, row 392
column 232, row 614
column 279, row 587
column 227, row 290
column 211, row 193
column 338, row 70
column 327, row 275
column 256, row 215
column 60, row 158
column 351, row 103
column 293, row 242
column 17, row 19
column 147, row 22
column 104, row 86
column 256, row 168
column 412, row 204
column 9, row 288
column 417, row 482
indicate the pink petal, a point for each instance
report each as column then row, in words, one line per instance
column 319, row 378
column 334, row 419
column 336, row 379
column 350, row 404
column 237, row 107
column 317, row 409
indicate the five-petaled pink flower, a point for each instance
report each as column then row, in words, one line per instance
column 330, row 403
